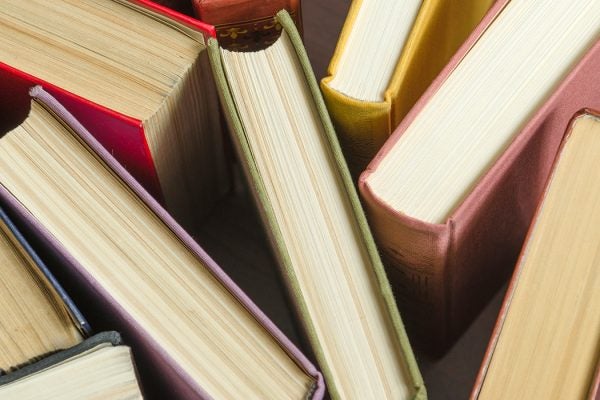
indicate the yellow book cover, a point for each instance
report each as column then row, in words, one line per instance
column 433, row 33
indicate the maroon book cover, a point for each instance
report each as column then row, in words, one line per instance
column 246, row 25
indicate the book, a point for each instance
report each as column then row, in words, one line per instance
column 452, row 192
column 137, row 75
column 100, row 367
column 546, row 341
column 388, row 53
column 246, row 25
column 38, row 316
column 312, row 215
column 175, row 307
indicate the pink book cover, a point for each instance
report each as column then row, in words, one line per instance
column 594, row 392
column 445, row 273
column 159, row 372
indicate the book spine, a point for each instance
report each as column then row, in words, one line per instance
column 416, row 257
column 362, row 127
column 244, row 25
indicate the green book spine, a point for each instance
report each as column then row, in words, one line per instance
column 257, row 186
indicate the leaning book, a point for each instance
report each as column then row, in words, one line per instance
column 137, row 75
column 173, row 304
column 546, row 344
column 312, row 214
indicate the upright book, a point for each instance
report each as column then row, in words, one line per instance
column 179, row 312
column 452, row 192
column 137, row 75
column 388, row 53
column 546, row 344
column 312, row 214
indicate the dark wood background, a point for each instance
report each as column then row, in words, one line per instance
column 234, row 237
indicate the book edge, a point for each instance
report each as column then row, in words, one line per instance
column 514, row 280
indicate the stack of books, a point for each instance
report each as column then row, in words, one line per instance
column 451, row 129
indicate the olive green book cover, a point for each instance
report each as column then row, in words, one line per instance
column 256, row 183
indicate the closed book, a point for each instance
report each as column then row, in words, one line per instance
column 137, row 75
column 38, row 317
column 193, row 329
column 100, row 367
column 312, row 215
column 451, row 226
column 546, row 341
column 246, row 25
column 387, row 55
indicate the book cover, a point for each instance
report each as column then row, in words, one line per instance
column 246, row 25
column 266, row 211
column 445, row 273
column 438, row 31
column 167, row 375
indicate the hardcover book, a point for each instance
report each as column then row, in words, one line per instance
column 100, row 367
column 546, row 341
column 452, row 192
column 38, row 316
column 388, row 53
column 246, row 25
column 175, row 307
column 137, row 75
column 313, row 217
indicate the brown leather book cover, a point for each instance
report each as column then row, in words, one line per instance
column 246, row 25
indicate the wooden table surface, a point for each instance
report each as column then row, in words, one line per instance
column 234, row 238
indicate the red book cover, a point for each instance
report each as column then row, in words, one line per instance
column 246, row 25
column 123, row 135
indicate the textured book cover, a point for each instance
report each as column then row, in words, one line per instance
column 439, row 29
column 445, row 273
column 246, row 25
column 265, row 208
